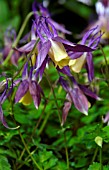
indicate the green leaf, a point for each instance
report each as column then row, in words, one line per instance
column 60, row 166
column 94, row 166
column 45, row 155
column 49, row 164
column 105, row 134
column 4, row 164
column 7, row 152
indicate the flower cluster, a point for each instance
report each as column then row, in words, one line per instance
column 45, row 46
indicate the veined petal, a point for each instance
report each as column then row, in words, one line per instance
column 22, row 90
column 35, row 92
column 43, row 53
column 66, row 108
column 88, row 92
column 27, row 47
column 26, row 99
column 90, row 66
column 80, row 100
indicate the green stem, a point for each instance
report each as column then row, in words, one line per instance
column 54, row 95
column 66, row 151
column 19, row 36
column 29, row 151
column 44, row 123
column 95, row 154
column 26, row 160
column 107, row 70
column 34, row 130
column 101, row 159
column 25, row 61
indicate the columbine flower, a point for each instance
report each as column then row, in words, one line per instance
column 54, row 46
column 28, row 90
column 40, row 10
column 85, row 58
column 9, row 38
column 77, row 94
column 102, row 10
column 5, row 92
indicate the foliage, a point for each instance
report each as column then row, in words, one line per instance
column 41, row 139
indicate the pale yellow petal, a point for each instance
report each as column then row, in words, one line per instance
column 33, row 58
column 58, row 51
column 26, row 99
column 77, row 64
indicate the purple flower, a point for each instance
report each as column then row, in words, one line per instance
column 102, row 21
column 5, row 92
column 54, row 46
column 40, row 10
column 28, row 90
column 76, row 94
column 9, row 37
column 81, row 59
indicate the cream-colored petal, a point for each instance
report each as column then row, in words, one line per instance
column 58, row 51
column 78, row 63
column 33, row 58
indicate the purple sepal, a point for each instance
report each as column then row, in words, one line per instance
column 25, row 71
column 71, row 46
column 42, row 54
column 65, row 70
column 3, row 121
column 88, row 92
column 35, row 92
column 42, row 68
column 63, row 41
column 59, row 27
column 88, row 34
column 90, row 66
column 22, row 89
column 80, row 101
column 66, row 108
column 64, row 83
column 26, row 48
column 74, row 55
column 78, row 48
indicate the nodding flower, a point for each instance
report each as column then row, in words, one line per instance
column 5, row 92
column 76, row 94
column 28, row 90
column 91, row 38
column 102, row 21
column 54, row 46
column 9, row 38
